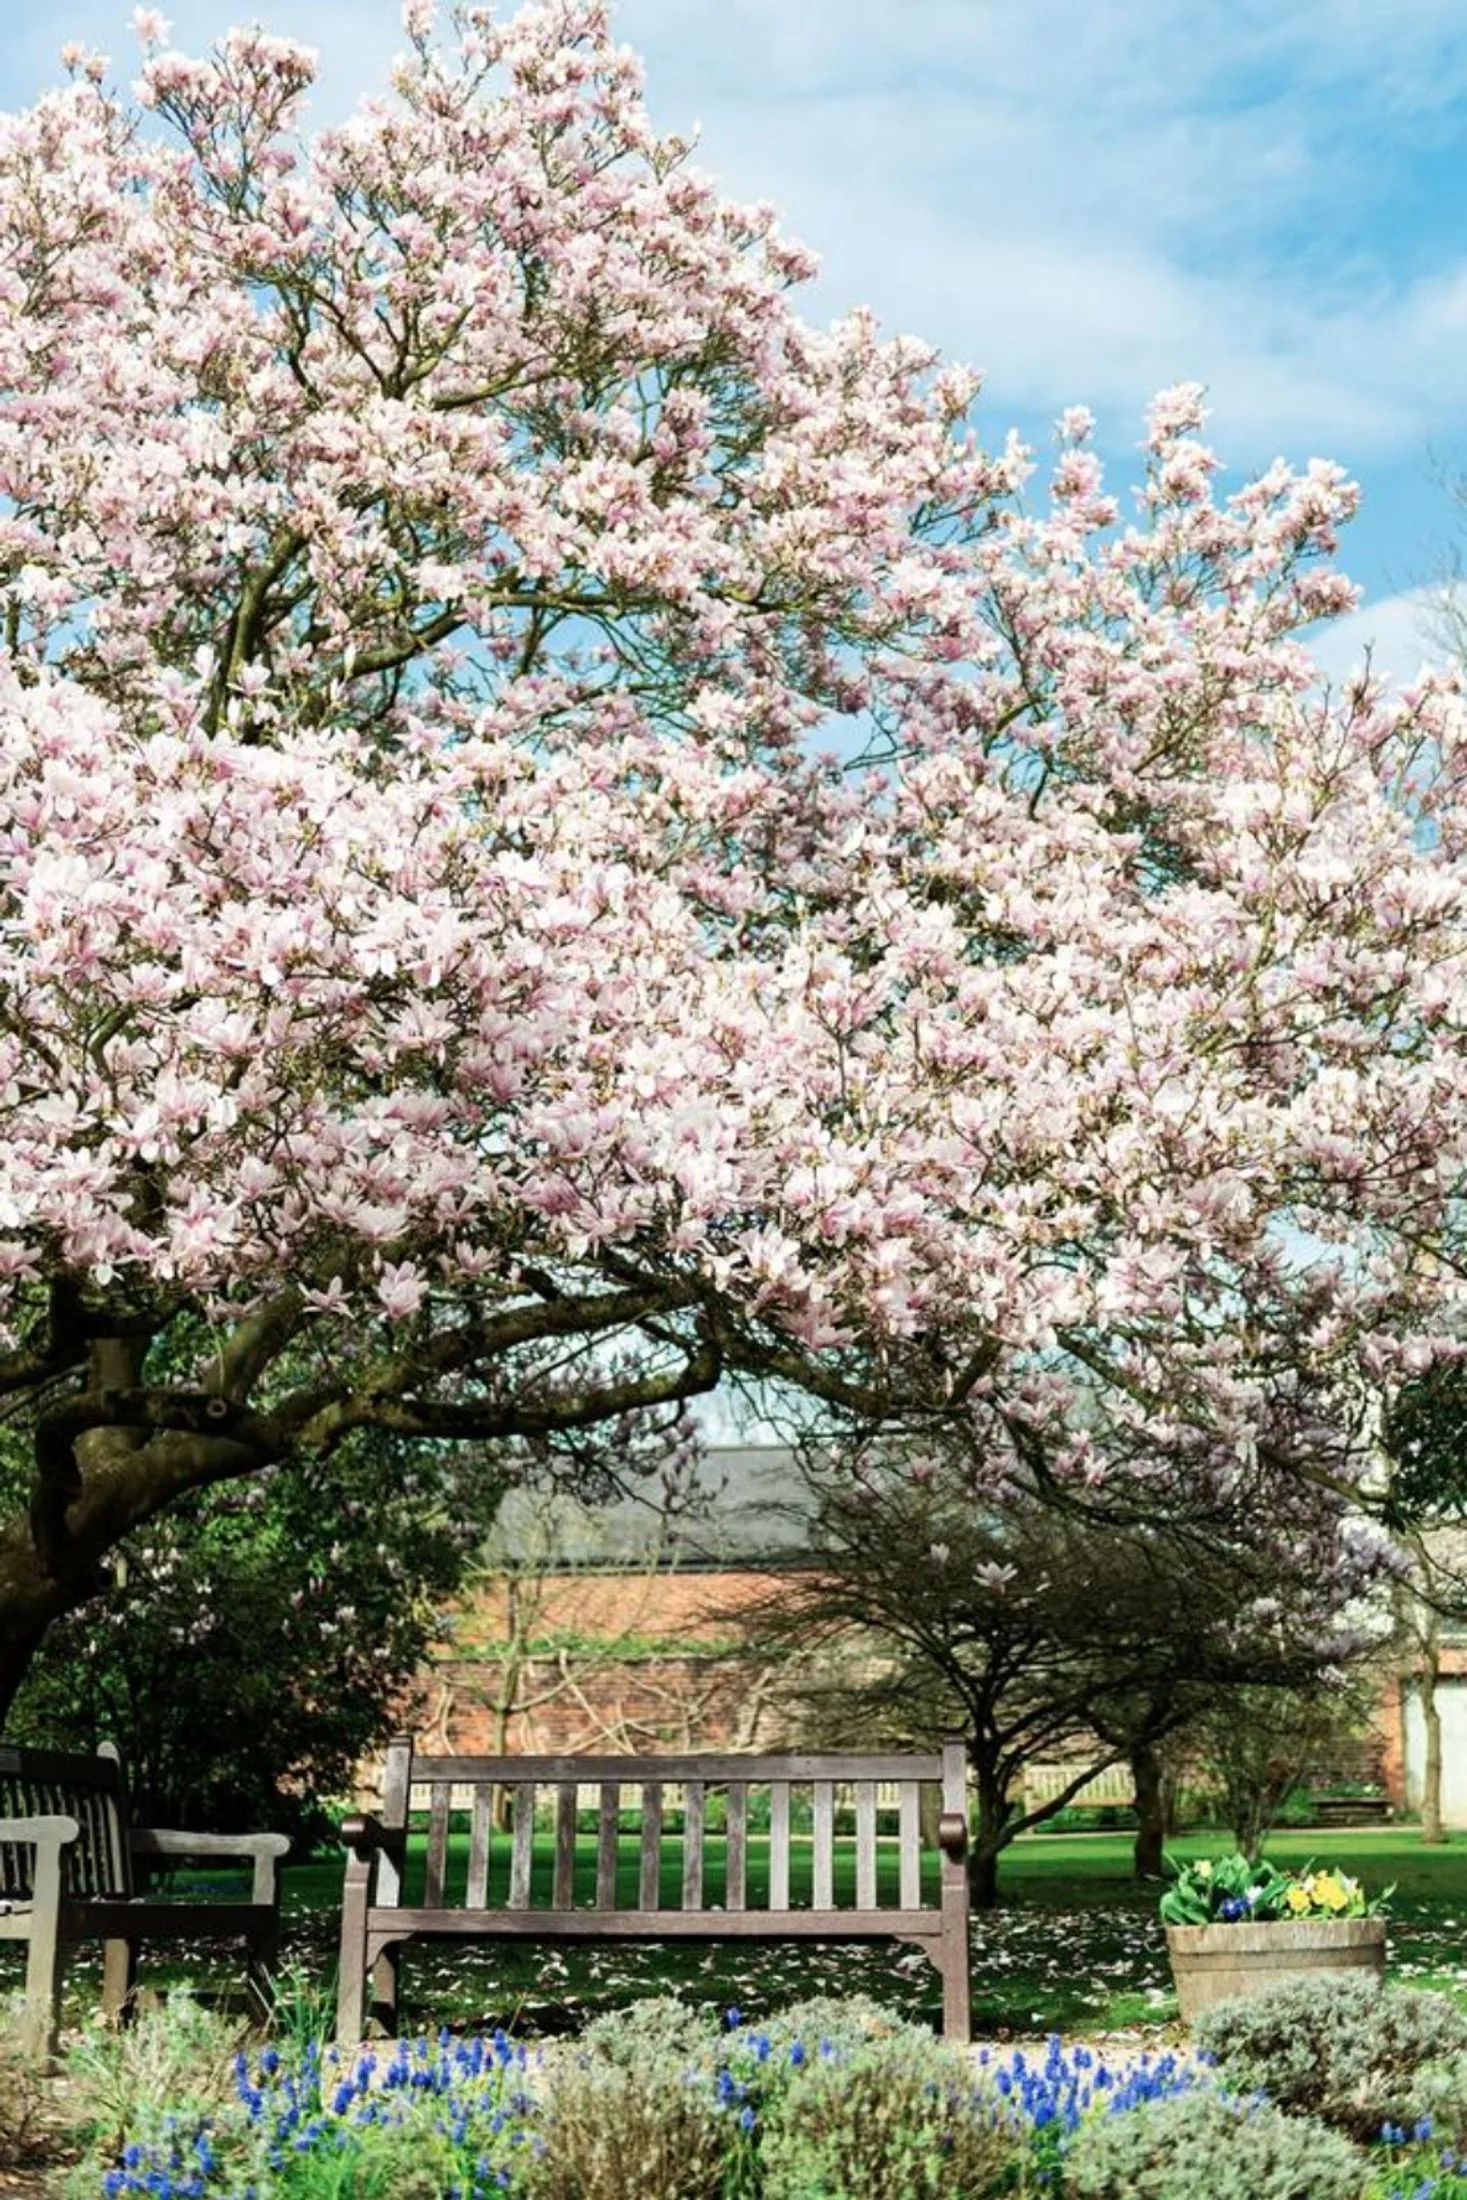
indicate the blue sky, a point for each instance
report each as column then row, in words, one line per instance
column 1087, row 199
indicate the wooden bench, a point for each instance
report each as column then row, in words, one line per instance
column 377, row 1920
column 69, row 1871
column 1351, row 1810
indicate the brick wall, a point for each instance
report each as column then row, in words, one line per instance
column 626, row 1661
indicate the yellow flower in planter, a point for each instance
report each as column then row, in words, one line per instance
column 1298, row 1899
column 1330, row 1891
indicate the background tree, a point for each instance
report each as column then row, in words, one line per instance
column 262, row 1638
column 1424, row 1445
column 1036, row 1634
column 1255, row 1747
column 437, row 970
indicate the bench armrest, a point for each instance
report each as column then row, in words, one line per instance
column 264, row 1849
column 48, row 1836
column 56, row 1831
column 952, row 1835
column 367, row 1837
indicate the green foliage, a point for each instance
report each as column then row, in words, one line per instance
column 1256, row 1747
column 301, row 1604
column 1342, row 2049
column 1424, row 1435
column 1421, row 2173
column 898, row 2116
column 1204, row 2145
column 613, row 2130
column 1231, row 1890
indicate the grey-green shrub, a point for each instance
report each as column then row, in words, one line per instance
column 174, row 2061
column 899, row 2117
column 20, row 2087
column 841, row 2023
column 1344, row 2049
column 1440, row 2093
column 660, row 2029
column 612, row 2131
column 1205, row 2145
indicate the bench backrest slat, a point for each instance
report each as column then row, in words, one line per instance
column 824, row 1844
column 523, row 1855
column 909, row 1892
column 735, row 1846
column 563, row 1893
column 608, row 1829
column 693, row 1845
column 649, row 1879
column 865, row 1845
column 476, row 1890
column 435, row 1870
column 779, row 1844
column 49, row 1782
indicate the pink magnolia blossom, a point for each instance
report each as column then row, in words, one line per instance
column 441, row 977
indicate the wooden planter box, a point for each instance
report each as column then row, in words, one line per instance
column 1212, row 1963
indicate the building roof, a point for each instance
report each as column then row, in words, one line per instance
column 745, row 1505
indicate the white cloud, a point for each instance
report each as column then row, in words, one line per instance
column 1088, row 199
column 1400, row 634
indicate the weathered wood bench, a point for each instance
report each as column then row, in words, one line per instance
column 1351, row 1810
column 378, row 1921
column 70, row 1867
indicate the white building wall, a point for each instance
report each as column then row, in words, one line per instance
column 1451, row 1696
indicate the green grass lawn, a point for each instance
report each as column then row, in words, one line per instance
column 1074, row 1946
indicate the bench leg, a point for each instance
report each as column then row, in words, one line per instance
column 957, row 2014
column 44, row 1970
column 119, row 1969
column 351, row 1974
column 386, row 1973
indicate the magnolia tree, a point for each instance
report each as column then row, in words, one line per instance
column 442, row 970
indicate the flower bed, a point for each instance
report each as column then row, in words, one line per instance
column 1340, row 2093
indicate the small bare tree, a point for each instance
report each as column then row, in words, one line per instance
column 1035, row 1632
